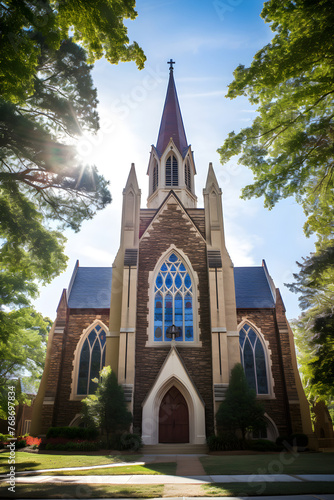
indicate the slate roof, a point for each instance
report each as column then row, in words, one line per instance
column 171, row 122
column 252, row 289
column 91, row 288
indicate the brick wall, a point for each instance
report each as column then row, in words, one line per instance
column 78, row 320
column 171, row 227
column 277, row 409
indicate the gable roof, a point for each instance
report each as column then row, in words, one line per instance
column 171, row 194
column 90, row 288
column 252, row 288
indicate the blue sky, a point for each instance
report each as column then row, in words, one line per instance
column 207, row 40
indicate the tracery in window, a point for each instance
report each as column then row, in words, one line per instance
column 92, row 360
column 187, row 174
column 253, row 359
column 172, row 171
column 155, row 176
column 173, row 300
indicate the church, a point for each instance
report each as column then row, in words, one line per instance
column 172, row 316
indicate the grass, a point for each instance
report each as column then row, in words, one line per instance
column 259, row 489
column 168, row 468
column 276, row 463
column 156, row 491
column 34, row 461
column 82, row 491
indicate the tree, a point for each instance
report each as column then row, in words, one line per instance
column 289, row 145
column 22, row 353
column 289, row 148
column 314, row 330
column 47, row 101
column 240, row 410
column 106, row 409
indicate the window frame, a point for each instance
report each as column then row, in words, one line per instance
column 267, row 357
column 77, row 355
column 174, row 171
column 195, row 302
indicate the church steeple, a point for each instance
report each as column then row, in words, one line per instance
column 171, row 165
column 171, row 126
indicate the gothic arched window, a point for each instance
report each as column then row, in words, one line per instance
column 173, row 300
column 92, row 360
column 172, row 171
column 253, row 359
column 187, row 175
column 155, row 176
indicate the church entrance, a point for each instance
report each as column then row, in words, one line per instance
column 173, row 418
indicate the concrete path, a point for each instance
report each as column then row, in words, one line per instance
column 165, row 479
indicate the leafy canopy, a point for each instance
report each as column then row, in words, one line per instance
column 47, row 100
column 289, row 145
column 314, row 329
column 22, row 352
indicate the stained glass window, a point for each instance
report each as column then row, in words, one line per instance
column 253, row 359
column 173, row 300
column 92, row 360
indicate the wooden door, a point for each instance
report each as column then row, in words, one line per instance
column 173, row 418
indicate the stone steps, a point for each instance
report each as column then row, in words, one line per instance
column 174, row 449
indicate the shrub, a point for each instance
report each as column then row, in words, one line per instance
column 224, row 442
column 299, row 440
column 72, row 433
column 33, row 441
column 74, row 446
column 262, row 445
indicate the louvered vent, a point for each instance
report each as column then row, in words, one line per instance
column 214, row 258
column 130, row 257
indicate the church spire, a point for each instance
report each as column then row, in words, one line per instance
column 171, row 165
column 171, row 122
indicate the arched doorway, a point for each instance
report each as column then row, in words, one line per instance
column 173, row 418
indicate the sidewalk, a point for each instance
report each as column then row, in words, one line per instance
column 189, row 471
column 163, row 479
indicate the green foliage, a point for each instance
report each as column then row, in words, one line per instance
column 106, row 409
column 240, row 410
column 126, row 442
column 47, row 101
column 262, row 445
column 96, row 25
column 289, row 148
column 225, row 441
column 314, row 329
column 72, row 433
column 289, row 145
column 21, row 350
column 73, row 446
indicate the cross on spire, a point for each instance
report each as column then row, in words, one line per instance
column 171, row 62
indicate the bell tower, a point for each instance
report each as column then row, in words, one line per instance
column 171, row 165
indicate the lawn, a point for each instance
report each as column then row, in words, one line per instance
column 34, row 461
column 276, row 463
column 168, row 468
column 169, row 490
column 83, row 491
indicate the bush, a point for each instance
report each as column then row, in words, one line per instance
column 20, row 443
column 73, row 433
column 262, row 445
column 74, row 446
column 224, row 442
column 299, row 440
column 4, row 438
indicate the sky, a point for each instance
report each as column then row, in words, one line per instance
column 207, row 40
